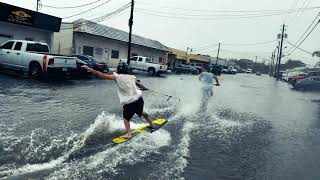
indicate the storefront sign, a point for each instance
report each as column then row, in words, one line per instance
column 21, row 16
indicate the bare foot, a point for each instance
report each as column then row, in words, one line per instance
column 152, row 126
column 126, row 136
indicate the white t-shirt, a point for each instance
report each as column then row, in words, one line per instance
column 128, row 91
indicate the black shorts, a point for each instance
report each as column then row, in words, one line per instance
column 133, row 108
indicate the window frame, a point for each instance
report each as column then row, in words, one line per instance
column 115, row 54
column 2, row 47
column 15, row 46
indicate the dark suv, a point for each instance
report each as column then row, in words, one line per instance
column 216, row 69
column 93, row 62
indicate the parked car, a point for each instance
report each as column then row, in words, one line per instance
column 258, row 73
column 185, row 69
column 93, row 62
column 293, row 78
column 313, row 73
column 216, row 69
column 249, row 71
column 196, row 66
column 284, row 76
column 142, row 63
column 309, row 83
column 229, row 70
column 34, row 58
column 291, row 74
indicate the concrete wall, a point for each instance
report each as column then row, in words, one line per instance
column 20, row 32
column 63, row 40
column 107, row 45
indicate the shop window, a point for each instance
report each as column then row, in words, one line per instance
column 29, row 39
column 87, row 50
column 18, row 46
column 115, row 54
column 6, row 36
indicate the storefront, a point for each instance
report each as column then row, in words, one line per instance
column 23, row 24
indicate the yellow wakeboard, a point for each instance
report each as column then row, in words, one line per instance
column 145, row 128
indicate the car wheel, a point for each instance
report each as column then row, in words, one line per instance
column 151, row 72
column 35, row 71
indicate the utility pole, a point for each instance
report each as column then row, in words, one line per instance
column 280, row 55
column 277, row 60
column 255, row 64
column 130, row 31
column 218, row 54
column 38, row 5
column 187, row 54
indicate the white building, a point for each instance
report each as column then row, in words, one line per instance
column 23, row 24
column 106, row 43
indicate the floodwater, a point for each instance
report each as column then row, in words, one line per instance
column 252, row 128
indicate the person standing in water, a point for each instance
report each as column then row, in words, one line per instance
column 129, row 94
column 206, row 79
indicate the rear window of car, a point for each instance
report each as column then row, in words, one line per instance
column 96, row 60
column 37, row 47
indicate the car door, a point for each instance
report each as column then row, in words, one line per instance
column 6, row 53
column 133, row 62
column 16, row 55
column 140, row 63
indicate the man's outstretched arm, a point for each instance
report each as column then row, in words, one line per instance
column 100, row 74
column 142, row 87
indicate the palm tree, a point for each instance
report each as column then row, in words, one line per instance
column 316, row 53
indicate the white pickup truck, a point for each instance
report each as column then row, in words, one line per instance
column 34, row 58
column 142, row 63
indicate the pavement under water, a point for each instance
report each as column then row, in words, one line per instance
column 253, row 128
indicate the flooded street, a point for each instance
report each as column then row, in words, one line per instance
column 253, row 128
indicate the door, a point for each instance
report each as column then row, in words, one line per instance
column 16, row 54
column 106, row 55
column 140, row 63
column 133, row 62
column 6, row 53
column 87, row 50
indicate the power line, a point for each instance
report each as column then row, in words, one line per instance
column 310, row 53
column 206, row 10
column 226, row 44
column 191, row 18
column 87, row 10
column 304, row 33
column 291, row 10
column 71, row 7
column 105, row 16
column 295, row 47
column 209, row 15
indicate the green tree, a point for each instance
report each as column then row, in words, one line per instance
column 290, row 64
column 317, row 54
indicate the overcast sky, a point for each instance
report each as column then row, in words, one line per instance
column 202, row 24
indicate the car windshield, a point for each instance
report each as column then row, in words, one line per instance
column 148, row 60
column 96, row 60
column 293, row 73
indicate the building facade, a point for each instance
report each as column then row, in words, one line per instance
column 23, row 24
column 177, row 57
column 105, row 43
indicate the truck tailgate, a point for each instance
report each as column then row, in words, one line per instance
column 64, row 62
